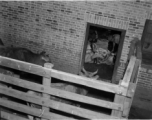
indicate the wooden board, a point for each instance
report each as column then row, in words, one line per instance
column 31, row 111
column 118, row 99
column 100, row 85
column 126, row 80
column 135, row 71
column 58, row 106
column 9, row 116
column 24, row 66
column 46, row 82
column 131, row 90
column 35, row 69
column 56, row 92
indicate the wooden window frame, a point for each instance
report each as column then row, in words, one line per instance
column 123, row 32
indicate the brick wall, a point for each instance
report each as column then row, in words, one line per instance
column 59, row 27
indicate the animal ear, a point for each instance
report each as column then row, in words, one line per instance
column 43, row 53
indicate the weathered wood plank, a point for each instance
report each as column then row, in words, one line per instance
column 135, row 71
column 68, row 109
column 129, row 100
column 46, row 82
column 31, row 111
column 59, row 93
column 100, row 85
column 35, row 69
column 24, row 66
column 132, row 49
column 128, row 73
column 127, row 106
column 9, row 116
column 133, row 81
column 118, row 99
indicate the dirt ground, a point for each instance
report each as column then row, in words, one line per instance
column 138, row 113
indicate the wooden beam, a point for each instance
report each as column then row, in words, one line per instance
column 24, row 66
column 128, row 73
column 32, row 111
column 128, row 100
column 59, row 93
column 118, row 99
column 42, row 71
column 46, row 82
column 127, row 106
column 100, row 85
column 81, row 112
column 9, row 116
column 132, row 48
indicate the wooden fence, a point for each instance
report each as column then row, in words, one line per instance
column 50, row 109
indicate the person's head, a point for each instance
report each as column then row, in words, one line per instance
column 110, row 38
column 116, row 38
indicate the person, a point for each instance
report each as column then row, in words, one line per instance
column 113, row 45
column 89, row 54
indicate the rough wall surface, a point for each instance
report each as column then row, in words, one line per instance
column 59, row 27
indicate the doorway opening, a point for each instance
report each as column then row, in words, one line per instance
column 102, row 50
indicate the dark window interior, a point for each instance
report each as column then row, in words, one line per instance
column 101, row 51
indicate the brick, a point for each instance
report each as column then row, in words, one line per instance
column 50, row 23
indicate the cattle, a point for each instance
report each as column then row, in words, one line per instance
column 25, row 55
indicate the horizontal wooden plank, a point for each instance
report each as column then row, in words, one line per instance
column 87, row 100
column 135, row 71
column 118, row 99
column 57, row 105
column 55, row 92
column 100, row 85
column 35, row 69
column 24, row 66
column 32, row 111
column 9, row 116
column 132, row 49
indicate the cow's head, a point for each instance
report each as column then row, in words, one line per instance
column 45, row 57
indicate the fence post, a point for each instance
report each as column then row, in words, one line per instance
column 46, row 82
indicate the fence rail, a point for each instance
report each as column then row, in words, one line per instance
column 119, row 107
